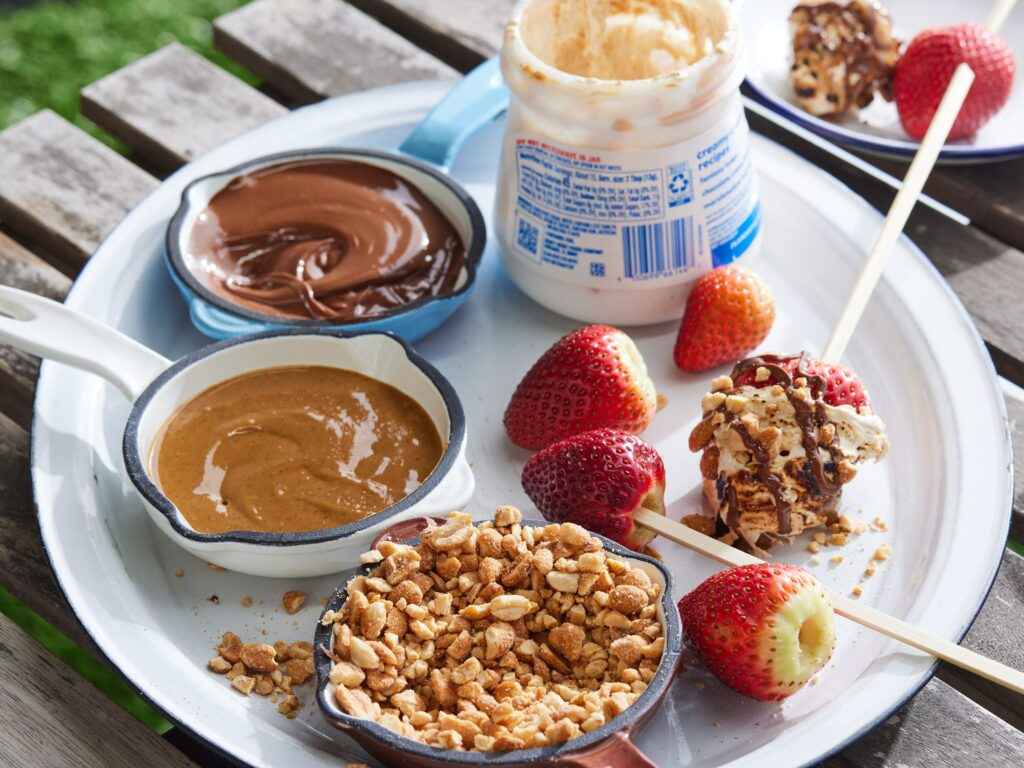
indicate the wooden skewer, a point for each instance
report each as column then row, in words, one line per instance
column 896, row 219
column 907, row 196
column 861, row 614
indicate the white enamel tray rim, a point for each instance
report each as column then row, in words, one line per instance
column 417, row 99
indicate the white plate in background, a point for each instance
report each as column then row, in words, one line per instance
column 945, row 490
column 877, row 129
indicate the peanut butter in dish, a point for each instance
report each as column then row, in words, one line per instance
column 294, row 449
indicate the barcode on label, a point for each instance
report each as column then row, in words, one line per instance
column 650, row 250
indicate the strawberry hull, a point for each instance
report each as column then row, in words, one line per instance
column 764, row 630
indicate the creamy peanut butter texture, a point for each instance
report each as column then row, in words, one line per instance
column 620, row 39
column 294, row 449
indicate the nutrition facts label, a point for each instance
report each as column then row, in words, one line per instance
column 636, row 216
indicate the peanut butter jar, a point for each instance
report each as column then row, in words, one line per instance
column 625, row 170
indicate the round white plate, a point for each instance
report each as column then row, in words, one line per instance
column 944, row 492
column 877, row 129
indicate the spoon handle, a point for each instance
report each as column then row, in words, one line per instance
column 45, row 328
column 862, row 614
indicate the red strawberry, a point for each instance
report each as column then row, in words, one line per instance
column 729, row 312
column 764, row 630
column 842, row 387
column 926, row 67
column 597, row 480
column 594, row 377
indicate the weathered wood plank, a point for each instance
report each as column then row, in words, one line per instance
column 998, row 633
column 989, row 194
column 939, row 728
column 49, row 716
column 21, row 268
column 312, row 49
column 174, row 105
column 63, row 188
column 461, row 34
column 23, row 563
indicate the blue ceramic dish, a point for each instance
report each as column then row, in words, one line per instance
column 422, row 160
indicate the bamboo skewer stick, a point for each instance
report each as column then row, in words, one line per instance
column 903, row 204
column 862, row 614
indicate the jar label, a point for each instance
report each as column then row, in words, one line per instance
column 633, row 216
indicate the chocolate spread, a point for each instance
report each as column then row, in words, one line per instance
column 294, row 449
column 324, row 239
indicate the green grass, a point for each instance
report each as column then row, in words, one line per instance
column 50, row 51
column 84, row 663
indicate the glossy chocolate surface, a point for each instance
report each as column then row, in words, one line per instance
column 335, row 240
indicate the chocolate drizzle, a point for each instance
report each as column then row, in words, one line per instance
column 810, row 416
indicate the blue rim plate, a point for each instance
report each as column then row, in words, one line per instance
column 877, row 131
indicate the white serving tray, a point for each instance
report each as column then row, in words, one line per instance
column 945, row 490
column 877, row 129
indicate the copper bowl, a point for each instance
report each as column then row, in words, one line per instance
column 607, row 747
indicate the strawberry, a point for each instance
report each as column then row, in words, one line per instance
column 598, row 479
column 842, row 387
column 593, row 377
column 764, row 630
column 729, row 312
column 926, row 67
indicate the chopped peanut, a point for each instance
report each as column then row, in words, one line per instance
column 495, row 637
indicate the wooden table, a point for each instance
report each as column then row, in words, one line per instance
column 62, row 191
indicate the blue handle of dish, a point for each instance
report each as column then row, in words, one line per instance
column 218, row 324
column 476, row 100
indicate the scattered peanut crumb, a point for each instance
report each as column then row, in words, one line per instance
column 882, row 553
column 289, row 706
column 293, row 601
column 815, row 561
column 836, row 559
column 879, row 524
column 819, row 538
column 869, row 571
column 813, row 547
column 662, row 401
column 179, row 572
column 213, row 567
column 244, row 684
column 246, row 601
column 268, row 670
column 857, row 590
column 702, row 523
column 838, row 539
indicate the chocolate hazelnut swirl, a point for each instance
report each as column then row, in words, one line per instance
column 324, row 239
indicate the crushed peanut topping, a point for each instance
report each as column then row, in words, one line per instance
column 882, row 553
column 495, row 637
